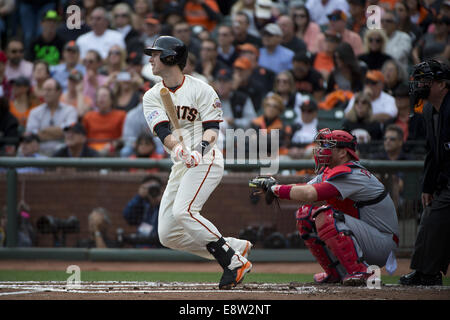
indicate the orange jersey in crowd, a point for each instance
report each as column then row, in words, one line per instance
column 104, row 127
column 196, row 15
column 22, row 117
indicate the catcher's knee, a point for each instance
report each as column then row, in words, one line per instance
column 325, row 222
column 305, row 221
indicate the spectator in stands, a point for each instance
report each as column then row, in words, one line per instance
column 227, row 52
column 189, row 69
column 9, row 129
column 419, row 14
column 30, row 13
column 249, row 8
column 273, row 108
column 338, row 22
column 48, row 46
column 307, row 79
column 324, row 60
column 205, row 13
column 99, row 222
column 100, row 38
column 122, row 22
column 23, row 100
column 405, row 24
column 241, row 24
column 41, row 72
column 127, row 94
column 142, row 8
column 209, row 64
column 114, row 63
column 74, row 95
column 261, row 75
column 145, row 148
column 360, row 116
column 29, row 148
column 347, row 74
column 92, row 79
column 4, row 84
column 265, row 11
column 135, row 125
column 411, row 123
column 357, row 20
column 104, row 126
column 16, row 65
column 305, row 28
column 394, row 75
column 290, row 40
column 48, row 119
column 182, row 30
column 273, row 55
column 284, row 86
column 383, row 104
column 374, row 45
column 75, row 143
column 71, row 57
column 238, row 109
column 399, row 43
column 305, row 127
column 242, row 81
column 143, row 209
column 435, row 44
column 152, row 30
column 319, row 10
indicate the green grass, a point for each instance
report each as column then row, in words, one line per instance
column 14, row 275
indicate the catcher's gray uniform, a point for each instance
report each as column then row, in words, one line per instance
column 374, row 224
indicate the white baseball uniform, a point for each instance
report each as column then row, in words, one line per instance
column 181, row 226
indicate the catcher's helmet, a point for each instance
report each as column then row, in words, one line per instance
column 173, row 51
column 327, row 140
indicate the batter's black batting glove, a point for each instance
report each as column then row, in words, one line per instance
column 265, row 184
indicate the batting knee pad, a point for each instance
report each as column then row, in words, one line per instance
column 340, row 242
column 307, row 231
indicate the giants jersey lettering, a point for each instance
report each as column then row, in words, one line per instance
column 195, row 102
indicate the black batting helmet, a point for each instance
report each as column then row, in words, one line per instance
column 173, row 51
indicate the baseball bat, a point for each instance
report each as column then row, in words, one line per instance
column 170, row 110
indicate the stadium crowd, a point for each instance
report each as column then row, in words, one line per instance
column 296, row 66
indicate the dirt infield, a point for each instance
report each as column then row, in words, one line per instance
column 128, row 290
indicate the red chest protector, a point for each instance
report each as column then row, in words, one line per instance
column 346, row 206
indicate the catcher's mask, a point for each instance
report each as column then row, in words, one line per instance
column 326, row 140
column 422, row 78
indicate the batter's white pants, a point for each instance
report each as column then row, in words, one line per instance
column 180, row 224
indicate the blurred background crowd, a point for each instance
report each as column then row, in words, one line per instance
column 73, row 88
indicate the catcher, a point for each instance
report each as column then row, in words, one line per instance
column 358, row 225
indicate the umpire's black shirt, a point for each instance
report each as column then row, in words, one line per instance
column 437, row 161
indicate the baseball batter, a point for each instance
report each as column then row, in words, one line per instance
column 197, row 168
column 358, row 225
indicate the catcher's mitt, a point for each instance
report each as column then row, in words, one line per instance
column 265, row 184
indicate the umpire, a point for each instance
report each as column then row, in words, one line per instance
column 430, row 82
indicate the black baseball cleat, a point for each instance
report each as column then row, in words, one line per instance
column 231, row 278
column 417, row 278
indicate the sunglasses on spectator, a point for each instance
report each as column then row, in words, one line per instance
column 115, row 52
column 14, row 51
column 307, row 110
column 376, row 40
column 362, row 101
column 88, row 61
column 387, row 20
column 331, row 39
column 334, row 18
column 120, row 15
column 282, row 80
column 272, row 105
column 389, row 139
column 371, row 82
column 299, row 15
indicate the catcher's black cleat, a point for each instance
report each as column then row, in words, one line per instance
column 231, row 278
column 417, row 278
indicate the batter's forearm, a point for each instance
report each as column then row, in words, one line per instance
column 170, row 141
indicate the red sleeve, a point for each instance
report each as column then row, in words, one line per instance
column 325, row 191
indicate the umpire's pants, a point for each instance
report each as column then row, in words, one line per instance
column 432, row 247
